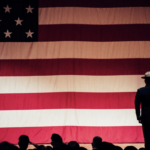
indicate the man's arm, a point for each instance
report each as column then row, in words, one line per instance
column 137, row 106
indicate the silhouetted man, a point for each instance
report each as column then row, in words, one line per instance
column 143, row 98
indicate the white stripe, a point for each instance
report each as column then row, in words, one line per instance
column 94, row 16
column 68, row 117
column 72, row 49
column 70, row 83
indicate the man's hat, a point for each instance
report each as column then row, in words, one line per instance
column 147, row 75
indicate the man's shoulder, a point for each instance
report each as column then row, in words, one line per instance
column 144, row 89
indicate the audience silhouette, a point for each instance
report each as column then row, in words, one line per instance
column 57, row 144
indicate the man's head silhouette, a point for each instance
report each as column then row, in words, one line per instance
column 56, row 140
column 147, row 78
column 96, row 143
column 23, row 142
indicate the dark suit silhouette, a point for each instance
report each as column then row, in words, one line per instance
column 143, row 98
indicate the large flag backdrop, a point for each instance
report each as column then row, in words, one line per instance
column 72, row 68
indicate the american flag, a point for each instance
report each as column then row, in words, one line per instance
column 72, row 68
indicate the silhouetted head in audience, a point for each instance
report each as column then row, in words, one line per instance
column 73, row 145
column 7, row 146
column 130, row 148
column 97, row 142
column 23, row 142
column 56, row 140
column 3, row 145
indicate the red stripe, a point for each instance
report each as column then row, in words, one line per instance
column 74, row 67
column 94, row 3
column 94, row 32
column 67, row 100
column 79, row 134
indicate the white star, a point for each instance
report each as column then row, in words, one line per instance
column 29, row 34
column 7, row 34
column 29, row 10
column 7, row 9
column 18, row 22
